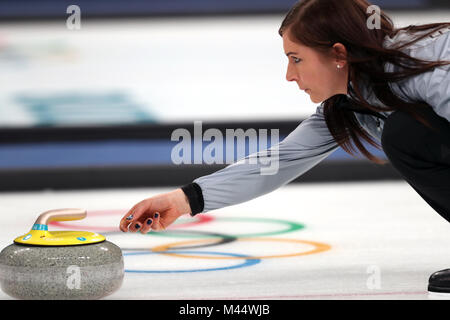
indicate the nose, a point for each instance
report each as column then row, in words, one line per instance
column 291, row 73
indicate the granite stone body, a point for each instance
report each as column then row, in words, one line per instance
column 90, row 271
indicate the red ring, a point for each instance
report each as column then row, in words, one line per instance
column 201, row 219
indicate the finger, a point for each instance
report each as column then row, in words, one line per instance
column 126, row 220
column 131, row 217
column 147, row 227
column 135, row 226
column 157, row 225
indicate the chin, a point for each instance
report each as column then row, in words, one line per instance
column 315, row 100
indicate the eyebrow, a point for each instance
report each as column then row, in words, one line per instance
column 289, row 53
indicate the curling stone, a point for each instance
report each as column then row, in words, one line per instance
column 60, row 264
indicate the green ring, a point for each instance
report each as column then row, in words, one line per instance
column 291, row 226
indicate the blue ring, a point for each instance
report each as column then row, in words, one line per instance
column 247, row 263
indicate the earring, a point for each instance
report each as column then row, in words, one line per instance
column 339, row 66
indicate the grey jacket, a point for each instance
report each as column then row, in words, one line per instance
column 311, row 141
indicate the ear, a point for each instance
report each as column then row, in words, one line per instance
column 339, row 53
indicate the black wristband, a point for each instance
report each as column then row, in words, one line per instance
column 195, row 197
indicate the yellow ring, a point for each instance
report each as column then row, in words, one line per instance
column 319, row 247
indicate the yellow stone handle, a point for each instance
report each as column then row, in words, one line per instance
column 60, row 215
column 39, row 234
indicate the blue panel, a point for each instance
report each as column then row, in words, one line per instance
column 110, row 153
column 55, row 8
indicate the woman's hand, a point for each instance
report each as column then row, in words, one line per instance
column 156, row 213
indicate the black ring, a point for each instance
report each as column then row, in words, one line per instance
column 223, row 239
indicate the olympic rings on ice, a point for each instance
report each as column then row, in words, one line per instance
column 317, row 247
column 247, row 263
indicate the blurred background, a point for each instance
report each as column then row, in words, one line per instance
column 94, row 104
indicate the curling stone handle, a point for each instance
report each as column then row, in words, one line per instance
column 60, row 215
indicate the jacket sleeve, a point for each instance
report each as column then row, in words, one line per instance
column 264, row 171
column 433, row 87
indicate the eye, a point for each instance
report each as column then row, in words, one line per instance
column 296, row 60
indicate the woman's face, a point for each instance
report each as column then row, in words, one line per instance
column 315, row 73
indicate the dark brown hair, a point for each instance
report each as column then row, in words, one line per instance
column 320, row 24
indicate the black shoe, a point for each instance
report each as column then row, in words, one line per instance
column 439, row 282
